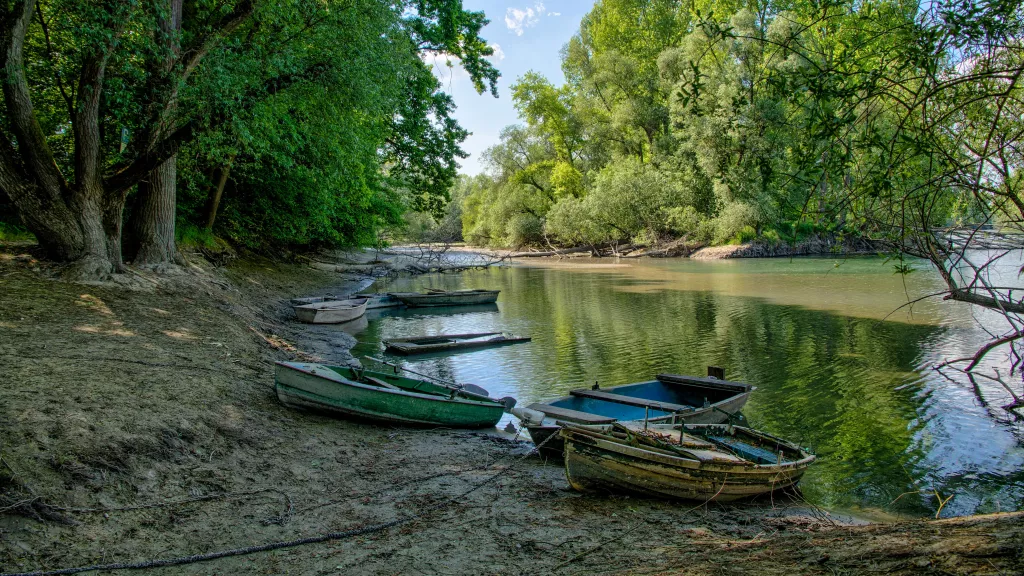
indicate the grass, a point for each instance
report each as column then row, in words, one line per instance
column 14, row 233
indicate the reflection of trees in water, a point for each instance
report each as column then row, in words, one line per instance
column 824, row 380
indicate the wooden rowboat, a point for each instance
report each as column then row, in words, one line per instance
column 669, row 398
column 701, row 462
column 447, row 298
column 331, row 311
column 447, row 342
column 381, row 396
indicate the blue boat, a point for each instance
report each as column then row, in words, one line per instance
column 668, row 399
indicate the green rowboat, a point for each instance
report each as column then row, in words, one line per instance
column 381, row 396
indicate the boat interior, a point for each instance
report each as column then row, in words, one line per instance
column 651, row 399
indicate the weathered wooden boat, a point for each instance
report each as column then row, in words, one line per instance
column 447, row 298
column 381, row 396
column 375, row 301
column 669, row 398
column 331, row 311
column 700, row 462
column 449, row 342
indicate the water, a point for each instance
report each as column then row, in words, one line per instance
column 838, row 366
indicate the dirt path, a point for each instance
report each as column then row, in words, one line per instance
column 161, row 396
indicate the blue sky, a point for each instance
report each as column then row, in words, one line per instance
column 528, row 36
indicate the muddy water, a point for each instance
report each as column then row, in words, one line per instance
column 839, row 366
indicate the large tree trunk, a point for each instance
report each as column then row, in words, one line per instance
column 67, row 221
column 153, row 216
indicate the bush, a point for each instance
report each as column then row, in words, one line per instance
column 523, row 229
column 732, row 221
column 631, row 199
column 570, row 223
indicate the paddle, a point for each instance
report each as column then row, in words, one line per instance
column 470, row 390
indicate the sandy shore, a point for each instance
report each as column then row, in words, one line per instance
column 139, row 422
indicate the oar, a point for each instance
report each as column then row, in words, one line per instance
column 469, row 390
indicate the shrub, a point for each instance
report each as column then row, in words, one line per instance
column 733, row 219
column 523, row 229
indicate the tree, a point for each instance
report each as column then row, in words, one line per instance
column 132, row 82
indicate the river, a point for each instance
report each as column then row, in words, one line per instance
column 839, row 366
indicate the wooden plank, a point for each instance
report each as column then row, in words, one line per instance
column 703, row 382
column 381, row 383
column 573, row 415
column 631, row 401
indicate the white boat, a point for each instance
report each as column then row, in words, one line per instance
column 332, row 311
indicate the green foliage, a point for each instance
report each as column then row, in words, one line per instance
column 191, row 236
column 14, row 233
column 325, row 114
column 725, row 121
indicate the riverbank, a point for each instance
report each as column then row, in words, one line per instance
column 141, row 423
column 817, row 245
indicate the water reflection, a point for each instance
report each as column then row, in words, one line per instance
column 852, row 387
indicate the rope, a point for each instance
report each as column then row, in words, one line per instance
column 181, row 560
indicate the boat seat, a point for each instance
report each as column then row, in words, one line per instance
column 631, row 401
column 571, row 415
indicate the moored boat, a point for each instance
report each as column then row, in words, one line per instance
column 700, row 462
column 668, row 398
column 381, row 396
column 314, row 299
column 450, row 342
column 447, row 297
column 331, row 311
column 375, row 301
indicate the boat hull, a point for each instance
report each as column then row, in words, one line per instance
column 315, row 387
column 331, row 312
column 593, row 464
column 552, row 446
column 458, row 298
column 411, row 349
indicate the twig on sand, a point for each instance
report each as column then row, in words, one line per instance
column 590, row 551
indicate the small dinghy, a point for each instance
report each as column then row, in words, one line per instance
column 386, row 397
column 701, row 462
column 669, row 398
column 331, row 311
column 447, row 298
column 448, row 342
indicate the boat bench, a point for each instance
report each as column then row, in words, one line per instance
column 571, row 415
column 631, row 401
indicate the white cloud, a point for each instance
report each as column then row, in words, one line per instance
column 554, row 13
column 499, row 54
column 517, row 20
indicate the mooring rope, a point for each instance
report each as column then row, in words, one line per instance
column 181, row 560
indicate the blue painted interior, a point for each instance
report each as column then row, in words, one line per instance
column 687, row 395
column 604, row 408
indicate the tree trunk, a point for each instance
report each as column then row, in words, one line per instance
column 214, row 203
column 153, row 216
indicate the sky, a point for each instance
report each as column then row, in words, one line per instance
column 525, row 36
